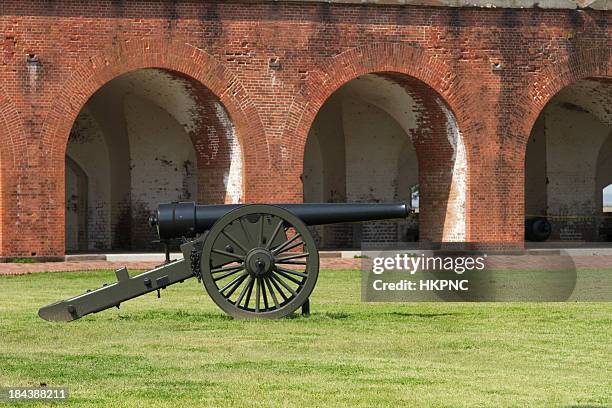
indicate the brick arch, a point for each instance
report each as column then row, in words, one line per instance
column 394, row 60
column 181, row 58
column 594, row 62
column 13, row 160
column 98, row 70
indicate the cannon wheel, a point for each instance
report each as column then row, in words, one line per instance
column 259, row 261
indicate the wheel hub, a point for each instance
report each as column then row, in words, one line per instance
column 259, row 262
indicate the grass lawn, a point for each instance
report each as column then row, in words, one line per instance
column 181, row 351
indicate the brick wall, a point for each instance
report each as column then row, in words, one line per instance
column 272, row 65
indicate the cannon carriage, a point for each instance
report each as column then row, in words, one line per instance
column 255, row 261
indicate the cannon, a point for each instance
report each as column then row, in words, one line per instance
column 255, row 260
column 537, row 229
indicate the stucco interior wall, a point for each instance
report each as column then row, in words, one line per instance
column 88, row 149
column 163, row 163
column 147, row 137
column 358, row 152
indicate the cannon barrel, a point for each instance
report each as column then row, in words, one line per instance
column 186, row 219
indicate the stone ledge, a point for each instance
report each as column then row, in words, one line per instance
column 543, row 4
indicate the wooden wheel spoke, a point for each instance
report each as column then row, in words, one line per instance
column 235, row 241
column 228, row 254
column 222, row 265
column 261, row 230
column 290, row 247
column 257, row 289
column 274, row 234
column 226, row 268
column 274, row 299
column 278, row 288
column 263, row 292
column 236, row 286
column 283, row 283
column 246, row 231
column 293, row 262
column 248, row 295
column 287, row 276
column 292, row 272
column 249, row 285
column 233, row 282
column 226, row 274
column 281, row 247
column 289, row 257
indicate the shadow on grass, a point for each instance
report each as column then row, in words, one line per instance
column 180, row 315
column 587, row 406
column 175, row 315
column 323, row 315
column 422, row 315
column 290, row 367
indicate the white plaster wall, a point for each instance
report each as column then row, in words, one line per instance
column 232, row 179
column 163, row 160
column 573, row 139
column 143, row 123
column 455, row 221
column 328, row 133
column 366, row 154
column 373, row 143
column 578, row 124
column 386, row 95
column 324, row 171
column 312, row 176
column 88, row 149
column 401, row 106
column 171, row 93
column 175, row 95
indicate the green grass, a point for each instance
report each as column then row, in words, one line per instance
column 181, row 351
column 23, row 260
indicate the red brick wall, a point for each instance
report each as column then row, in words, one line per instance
column 495, row 69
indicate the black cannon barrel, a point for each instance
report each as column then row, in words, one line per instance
column 186, row 219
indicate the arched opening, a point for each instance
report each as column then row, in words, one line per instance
column 568, row 162
column 607, row 199
column 145, row 137
column 386, row 137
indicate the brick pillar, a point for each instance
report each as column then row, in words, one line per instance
column 442, row 164
column 218, row 151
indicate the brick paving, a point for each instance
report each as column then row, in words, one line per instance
column 495, row 262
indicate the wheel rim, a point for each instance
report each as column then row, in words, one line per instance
column 259, row 261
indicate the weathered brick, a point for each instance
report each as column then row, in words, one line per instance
column 494, row 69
